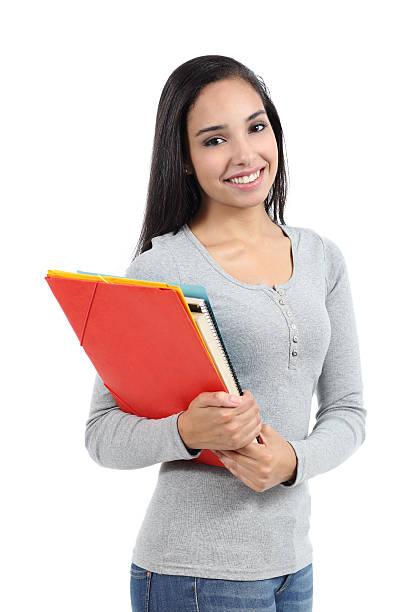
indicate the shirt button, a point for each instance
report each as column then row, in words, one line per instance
column 295, row 338
column 293, row 325
column 288, row 312
column 281, row 301
column 280, row 291
column 294, row 353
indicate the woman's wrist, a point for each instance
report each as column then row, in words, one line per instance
column 184, row 431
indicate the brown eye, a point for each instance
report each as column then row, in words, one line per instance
column 263, row 125
column 208, row 143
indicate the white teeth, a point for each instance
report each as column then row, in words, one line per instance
column 245, row 179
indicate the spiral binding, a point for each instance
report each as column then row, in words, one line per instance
column 217, row 334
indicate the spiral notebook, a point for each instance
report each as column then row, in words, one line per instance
column 208, row 327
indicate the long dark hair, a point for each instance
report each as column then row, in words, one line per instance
column 173, row 196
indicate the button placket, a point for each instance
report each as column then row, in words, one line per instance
column 294, row 334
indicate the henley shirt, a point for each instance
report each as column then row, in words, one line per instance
column 285, row 342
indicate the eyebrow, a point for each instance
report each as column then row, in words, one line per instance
column 214, row 128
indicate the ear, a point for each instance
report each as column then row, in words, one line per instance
column 187, row 167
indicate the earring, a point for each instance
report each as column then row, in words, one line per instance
column 185, row 170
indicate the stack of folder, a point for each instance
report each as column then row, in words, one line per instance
column 155, row 346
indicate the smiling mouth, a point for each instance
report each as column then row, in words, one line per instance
column 243, row 184
column 243, row 180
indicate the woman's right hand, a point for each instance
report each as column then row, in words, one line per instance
column 213, row 421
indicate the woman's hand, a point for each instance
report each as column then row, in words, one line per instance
column 262, row 466
column 213, row 421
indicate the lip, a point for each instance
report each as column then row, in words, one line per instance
column 246, row 173
column 247, row 186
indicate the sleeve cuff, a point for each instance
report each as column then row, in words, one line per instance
column 300, row 470
column 188, row 452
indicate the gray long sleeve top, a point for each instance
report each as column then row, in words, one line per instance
column 285, row 343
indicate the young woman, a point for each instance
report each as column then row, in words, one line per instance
column 236, row 537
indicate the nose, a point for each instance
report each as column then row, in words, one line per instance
column 243, row 152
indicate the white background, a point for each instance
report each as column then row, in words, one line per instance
column 80, row 87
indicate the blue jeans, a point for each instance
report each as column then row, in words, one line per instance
column 152, row 592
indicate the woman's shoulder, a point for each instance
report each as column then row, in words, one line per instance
column 330, row 248
column 156, row 264
column 319, row 245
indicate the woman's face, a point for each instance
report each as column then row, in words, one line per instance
column 237, row 145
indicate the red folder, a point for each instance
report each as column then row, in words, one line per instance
column 143, row 342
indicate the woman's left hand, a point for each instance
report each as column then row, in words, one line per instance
column 262, row 466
